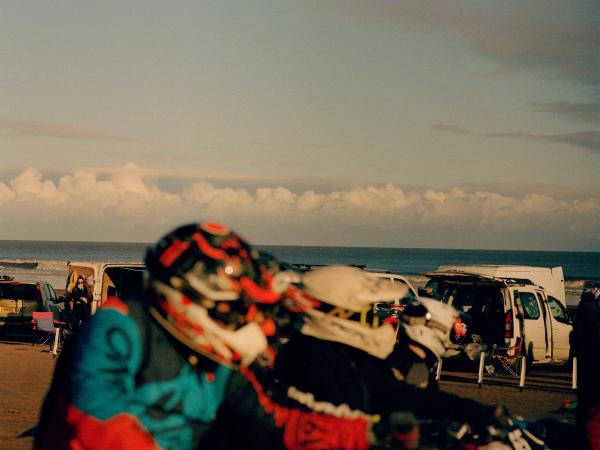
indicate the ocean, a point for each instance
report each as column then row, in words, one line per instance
column 47, row 259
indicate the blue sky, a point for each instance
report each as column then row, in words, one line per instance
column 431, row 123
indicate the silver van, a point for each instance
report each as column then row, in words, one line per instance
column 504, row 311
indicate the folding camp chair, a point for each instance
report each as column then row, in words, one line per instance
column 44, row 323
column 508, row 358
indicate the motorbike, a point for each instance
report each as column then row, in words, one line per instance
column 517, row 434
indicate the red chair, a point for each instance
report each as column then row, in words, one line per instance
column 44, row 323
column 509, row 358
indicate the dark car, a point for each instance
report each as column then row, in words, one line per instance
column 19, row 299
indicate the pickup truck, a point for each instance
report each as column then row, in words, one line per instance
column 507, row 307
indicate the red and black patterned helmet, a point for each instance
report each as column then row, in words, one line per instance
column 208, row 283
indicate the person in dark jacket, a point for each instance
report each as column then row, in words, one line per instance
column 79, row 301
column 343, row 364
column 586, row 348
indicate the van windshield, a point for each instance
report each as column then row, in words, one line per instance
column 19, row 291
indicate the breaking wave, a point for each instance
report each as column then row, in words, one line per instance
column 32, row 264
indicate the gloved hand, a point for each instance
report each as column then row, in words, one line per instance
column 502, row 417
column 516, row 432
column 400, row 430
column 492, row 419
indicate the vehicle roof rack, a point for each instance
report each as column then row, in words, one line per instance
column 519, row 281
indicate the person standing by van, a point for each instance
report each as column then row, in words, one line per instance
column 586, row 343
column 80, row 302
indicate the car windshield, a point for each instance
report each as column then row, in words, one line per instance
column 19, row 291
column 410, row 295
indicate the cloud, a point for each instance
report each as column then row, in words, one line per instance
column 559, row 37
column 589, row 140
column 126, row 206
column 16, row 127
column 585, row 139
column 583, row 111
column 450, row 128
column 189, row 173
column 512, row 189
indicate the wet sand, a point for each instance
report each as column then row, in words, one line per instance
column 26, row 371
column 25, row 374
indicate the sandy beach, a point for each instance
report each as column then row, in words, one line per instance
column 26, row 372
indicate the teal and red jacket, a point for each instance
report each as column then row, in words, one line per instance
column 124, row 383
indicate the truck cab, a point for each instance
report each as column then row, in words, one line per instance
column 504, row 310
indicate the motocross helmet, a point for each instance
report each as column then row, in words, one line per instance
column 206, row 288
column 347, row 308
column 428, row 323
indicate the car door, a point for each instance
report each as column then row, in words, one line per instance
column 547, row 317
column 52, row 303
column 534, row 328
column 561, row 329
column 46, row 297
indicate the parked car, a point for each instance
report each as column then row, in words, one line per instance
column 398, row 306
column 19, row 299
column 506, row 306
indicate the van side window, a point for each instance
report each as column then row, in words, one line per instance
column 530, row 305
column 557, row 310
column 516, row 297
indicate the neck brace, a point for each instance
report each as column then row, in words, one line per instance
column 378, row 342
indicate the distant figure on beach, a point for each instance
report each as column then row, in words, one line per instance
column 586, row 343
column 79, row 304
column 150, row 372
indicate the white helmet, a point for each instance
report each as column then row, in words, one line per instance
column 347, row 310
column 428, row 323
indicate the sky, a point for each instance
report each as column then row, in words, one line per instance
column 429, row 123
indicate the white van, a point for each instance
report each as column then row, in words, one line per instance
column 507, row 306
column 106, row 279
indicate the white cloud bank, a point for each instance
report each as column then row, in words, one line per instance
column 128, row 207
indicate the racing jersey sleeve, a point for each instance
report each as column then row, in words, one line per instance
column 107, row 356
column 433, row 404
column 262, row 420
column 122, row 384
